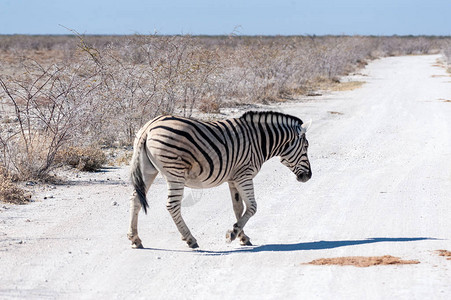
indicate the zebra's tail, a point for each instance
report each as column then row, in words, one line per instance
column 139, row 153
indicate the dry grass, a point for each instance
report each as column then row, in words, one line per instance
column 9, row 191
column 83, row 158
column 326, row 84
column 362, row 261
column 347, row 86
column 444, row 253
column 124, row 158
column 209, row 105
column 335, row 113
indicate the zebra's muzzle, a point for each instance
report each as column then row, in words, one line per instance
column 304, row 177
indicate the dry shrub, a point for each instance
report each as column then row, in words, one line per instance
column 32, row 157
column 52, row 105
column 444, row 253
column 362, row 261
column 9, row 191
column 209, row 105
column 83, row 158
column 100, row 90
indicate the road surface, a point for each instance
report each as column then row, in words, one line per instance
column 381, row 185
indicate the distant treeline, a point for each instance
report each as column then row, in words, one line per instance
column 59, row 42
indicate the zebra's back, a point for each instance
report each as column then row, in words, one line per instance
column 203, row 154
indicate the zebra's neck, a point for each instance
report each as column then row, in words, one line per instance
column 273, row 131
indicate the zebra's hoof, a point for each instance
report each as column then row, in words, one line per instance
column 192, row 243
column 137, row 246
column 136, row 242
column 246, row 243
column 194, row 246
column 230, row 236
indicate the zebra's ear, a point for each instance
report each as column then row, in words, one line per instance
column 305, row 126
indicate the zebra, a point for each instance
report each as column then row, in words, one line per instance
column 200, row 154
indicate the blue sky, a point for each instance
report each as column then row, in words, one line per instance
column 245, row 17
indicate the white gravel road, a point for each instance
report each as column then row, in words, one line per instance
column 381, row 185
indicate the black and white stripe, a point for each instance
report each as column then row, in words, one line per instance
column 206, row 154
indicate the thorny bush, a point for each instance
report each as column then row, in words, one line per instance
column 100, row 90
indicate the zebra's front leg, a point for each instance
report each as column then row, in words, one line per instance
column 238, row 209
column 245, row 191
column 175, row 196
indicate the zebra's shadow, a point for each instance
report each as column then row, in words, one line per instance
column 319, row 245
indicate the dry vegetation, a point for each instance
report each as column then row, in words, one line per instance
column 444, row 253
column 362, row 261
column 10, row 192
column 62, row 94
column 83, row 158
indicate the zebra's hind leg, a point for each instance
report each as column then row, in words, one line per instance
column 135, row 207
column 245, row 191
column 149, row 173
column 238, row 209
column 175, row 195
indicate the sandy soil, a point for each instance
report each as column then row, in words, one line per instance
column 381, row 185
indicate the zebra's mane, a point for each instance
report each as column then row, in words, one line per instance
column 253, row 114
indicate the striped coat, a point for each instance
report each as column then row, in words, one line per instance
column 206, row 154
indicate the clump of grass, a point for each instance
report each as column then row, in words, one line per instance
column 83, row 158
column 444, row 253
column 10, row 192
column 209, row 105
column 124, row 158
column 347, row 86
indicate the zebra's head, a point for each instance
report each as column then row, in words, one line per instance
column 295, row 156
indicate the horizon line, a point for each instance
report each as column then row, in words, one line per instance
column 224, row 35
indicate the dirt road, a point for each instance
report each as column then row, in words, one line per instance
column 381, row 185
